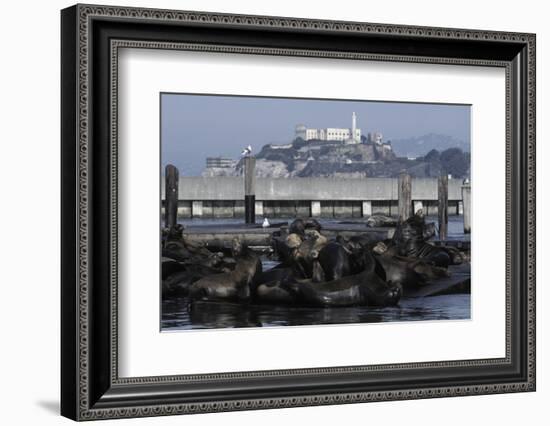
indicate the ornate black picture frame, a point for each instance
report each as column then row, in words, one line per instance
column 91, row 387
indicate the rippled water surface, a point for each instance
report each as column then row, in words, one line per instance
column 182, row 314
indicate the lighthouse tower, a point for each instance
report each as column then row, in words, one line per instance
column 354, row 127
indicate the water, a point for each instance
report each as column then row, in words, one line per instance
column 183, row 314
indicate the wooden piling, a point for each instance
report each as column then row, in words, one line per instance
column 250, row 189
column 171, row 196
column 466, row 208
column 443, row 201
column 404, row 196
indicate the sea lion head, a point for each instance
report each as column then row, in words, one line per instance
column 236, row 247
column 313, row 224
column 297, row 227
column 393, row 294
column 429, row 231
column 314, row 234
column 174, row 233
column 316, row 242
column 380, row 248
column 293, row 241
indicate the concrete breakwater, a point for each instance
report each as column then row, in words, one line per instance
column 223, row 197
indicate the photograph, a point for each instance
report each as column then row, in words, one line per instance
column 280, row 211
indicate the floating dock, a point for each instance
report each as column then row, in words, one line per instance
column 458, row 282
column 221, row 236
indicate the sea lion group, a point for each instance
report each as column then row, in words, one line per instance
column 313, row 271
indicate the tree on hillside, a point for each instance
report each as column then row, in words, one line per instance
column 298, row 143
column 433, row 155
column 455, row 162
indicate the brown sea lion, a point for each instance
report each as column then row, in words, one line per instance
column 376, row 221
column 401, row 273
column 269, row 287
column 232, row 285
column 170, row 266
column 176, row 247
column 313, row 224
column 285, row 248
column 178, row 283
column 409, row 273
column 307, row 252
column 410, row 240
column 457, row 258
column 365, row 288
column 298, row 226
column 334, row 259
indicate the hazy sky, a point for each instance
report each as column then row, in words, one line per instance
column 194, row 127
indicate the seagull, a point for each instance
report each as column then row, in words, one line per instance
column 266, row 223
column 247, row 151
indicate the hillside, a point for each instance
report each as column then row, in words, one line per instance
column 419, row 146
column 326, row 159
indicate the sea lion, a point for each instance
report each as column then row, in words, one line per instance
column 313, row 224
column 178, row 248
column 457, row 258
column 363, row 240
column 400, row 273
column 428, row 271
column 380, row 247
column 409, row 239
column 276, row 274
column 285, row 248
column 297, row 227
column 269, row 287
column 318, row 274
column 305, row 254
column 334, row 259
column 365, row 288
column 293, row 241
column 429, row 231
column 356, row 257
column 231, row 285
column 380, row 221
column 170, row 266
column 274, row 292
column 243, row 252
column 178, row 283
column 173, row 233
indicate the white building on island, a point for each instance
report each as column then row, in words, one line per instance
column 331, row 133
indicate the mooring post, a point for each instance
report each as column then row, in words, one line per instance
column 466, row 207
column 250, row 189
column 418, row 205
column 366, row 209
column 196, row 208
column 404, row 202
column 315, row 208
column 443, row 201
column 171, row 196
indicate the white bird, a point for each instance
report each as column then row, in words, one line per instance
column 247, row 151
column 266, row 223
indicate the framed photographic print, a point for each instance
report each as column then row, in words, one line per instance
column 263, row 212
